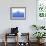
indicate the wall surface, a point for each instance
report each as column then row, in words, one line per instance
column 24, row 25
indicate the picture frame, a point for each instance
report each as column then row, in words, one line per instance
column 17, row 13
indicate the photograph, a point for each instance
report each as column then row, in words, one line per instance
column 17, row 13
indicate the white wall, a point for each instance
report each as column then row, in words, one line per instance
column 24, row 25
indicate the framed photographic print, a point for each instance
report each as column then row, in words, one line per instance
column 17, row 13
